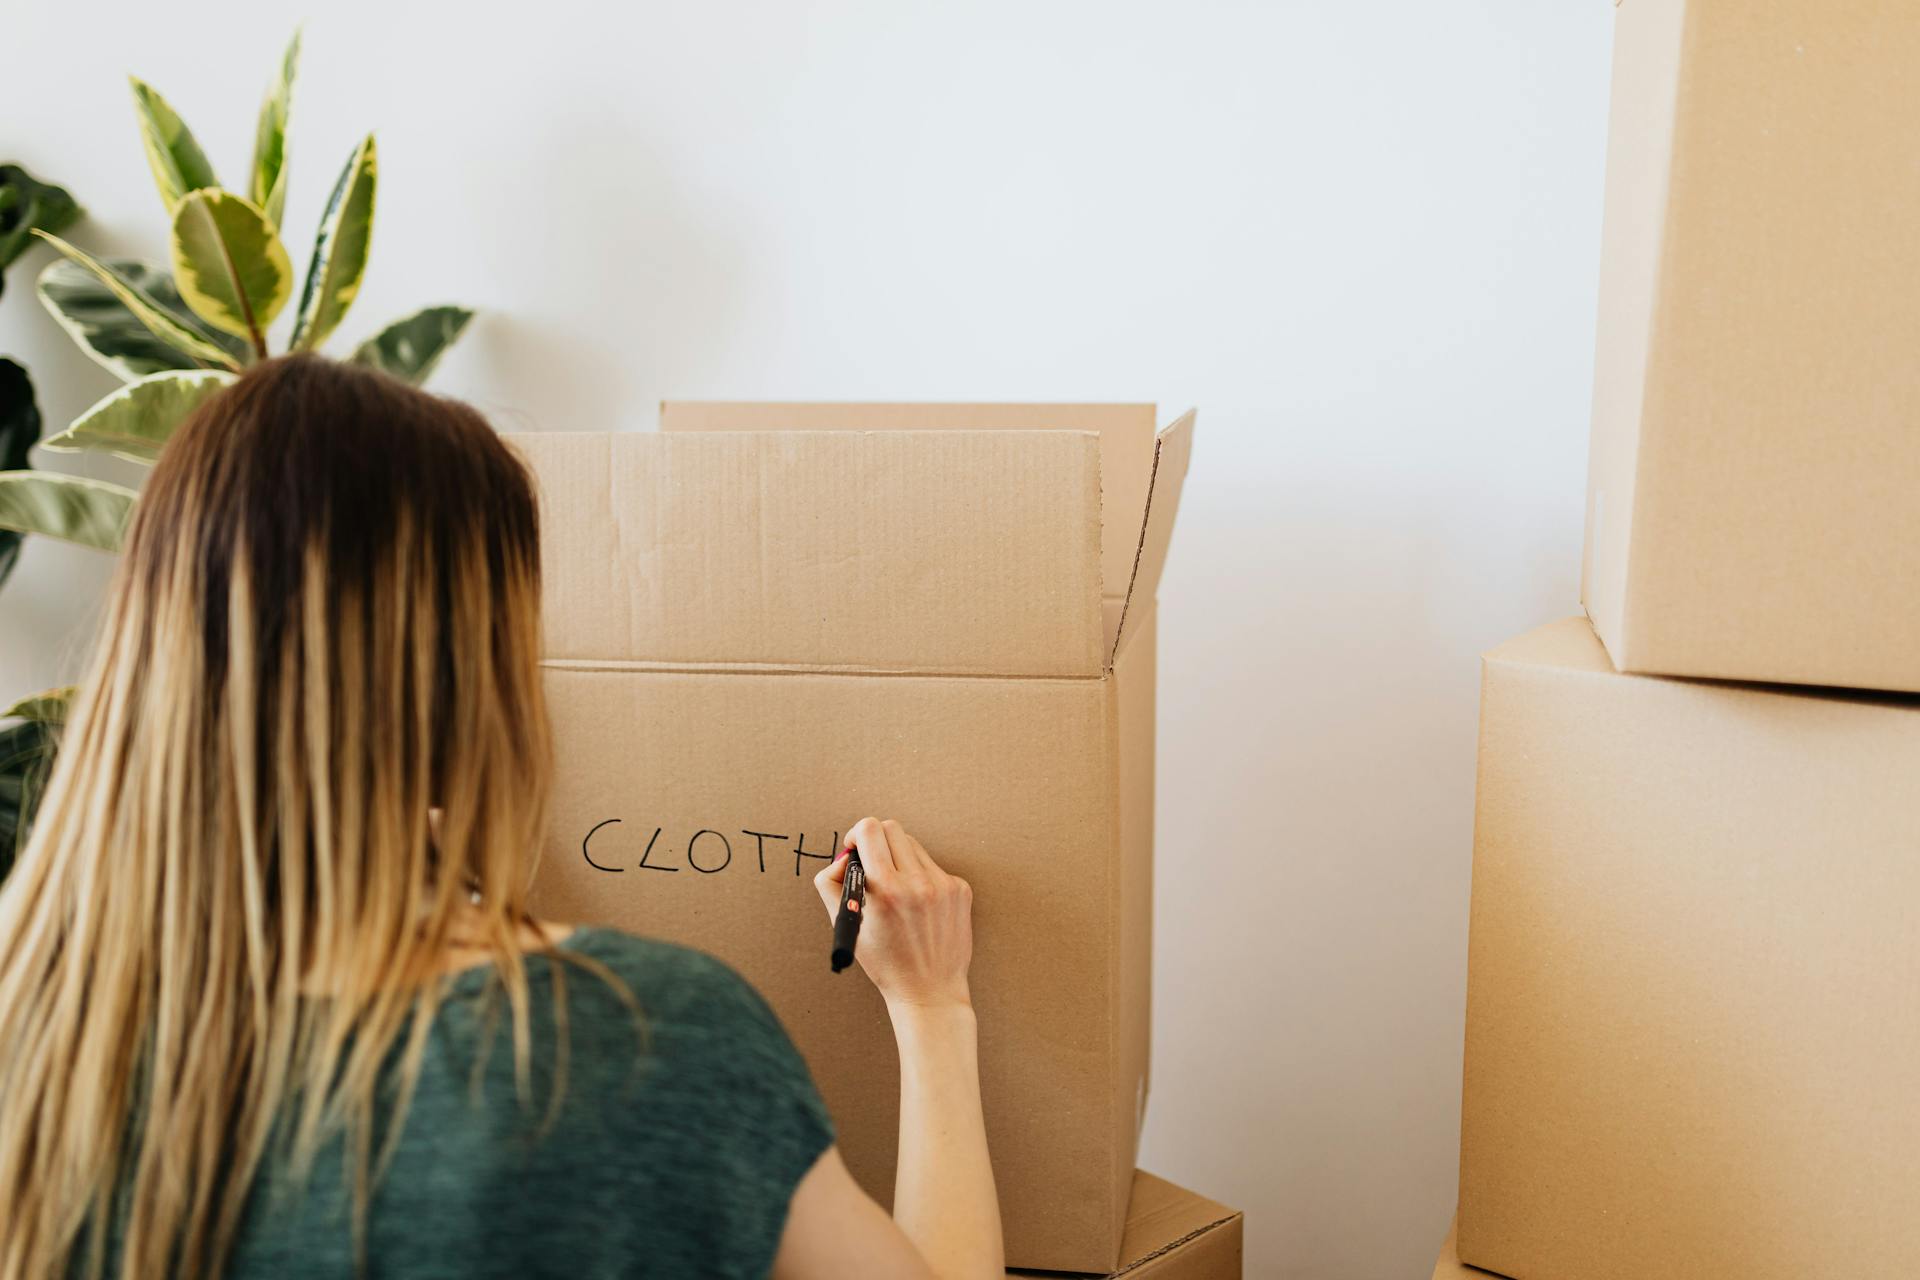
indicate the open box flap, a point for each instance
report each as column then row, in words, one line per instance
column 1171, row 449
column 963, row 552
column 1125, row 431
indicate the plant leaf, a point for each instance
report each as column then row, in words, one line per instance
column 229, row 265
column 178, row 164
column 93, row 316
column 19, row 428
column 137, row 420
column 92, row 513
column 19, row 416
column 146, row 309
column 410, row 348
column 339, row 251
column 26, row 758
column 269, row 186
column 27, row 203
column 48, row 707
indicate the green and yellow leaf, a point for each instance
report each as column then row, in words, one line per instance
column 145, row 308
column 93, row 316
column 92, row 513
column 410, row 348
column 178, row 164
column 47, row 707
column 339, row 251
column 137, row 420
column 229, row 264
column 269, row 186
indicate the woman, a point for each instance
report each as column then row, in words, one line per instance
column 272, row 920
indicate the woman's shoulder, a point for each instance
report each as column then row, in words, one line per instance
column 717, row 1100
column 614, row 998
column 698, row 1014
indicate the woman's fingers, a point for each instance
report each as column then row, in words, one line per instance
column 917, row 942
column 878, row 858
column 876, row 855
column 909, row 854
column 894, row 862
column 829, row 879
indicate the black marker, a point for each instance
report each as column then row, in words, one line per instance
column 853, row 901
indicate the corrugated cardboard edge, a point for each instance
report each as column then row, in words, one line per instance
column 891, row 415
column 1646, row 499
column 1466, row 1069
column 1648, row 67
column 1566, row 646
column 1167, row 1258
column 1130, row 698
column 1172, row 449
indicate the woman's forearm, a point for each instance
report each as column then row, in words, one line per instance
column 943, row 1196
column 917, row 946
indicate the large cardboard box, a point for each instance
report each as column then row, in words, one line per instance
column 1174, row 1234
column 1693, row 990
column 1756, row 411
column 766, row 621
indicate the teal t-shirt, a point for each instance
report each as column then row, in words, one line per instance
column 675, row 1152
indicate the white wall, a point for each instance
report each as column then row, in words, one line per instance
column 1361, row 237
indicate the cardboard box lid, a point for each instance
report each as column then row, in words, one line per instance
column 1175, row 1234
column 972, row 553
column 1141, row 471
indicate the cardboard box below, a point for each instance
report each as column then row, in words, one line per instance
column 1173, row 1234
column 1448, row 1265
column 1693, row 990
column 756, row 637
column 1756, row 407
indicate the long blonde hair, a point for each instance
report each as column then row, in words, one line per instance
column 309, row 757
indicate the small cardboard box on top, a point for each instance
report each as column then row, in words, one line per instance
column 1174, row 1234
column 1756, row 408
column 1693, row 980
column 765, row 621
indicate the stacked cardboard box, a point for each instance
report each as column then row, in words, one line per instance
column 766, row 620
column 1173, row 1234
column 1693, row 1011
column 1448, row 1265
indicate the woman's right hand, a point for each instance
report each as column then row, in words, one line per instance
column 916, row 941
column 916, row 934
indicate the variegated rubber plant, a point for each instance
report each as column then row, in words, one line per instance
column 177, row 334
column 26, row 205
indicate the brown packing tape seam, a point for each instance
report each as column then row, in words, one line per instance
column 620, row 666
column 1169, row 1247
